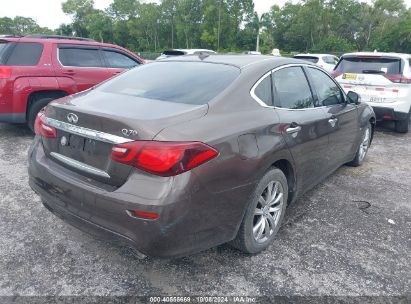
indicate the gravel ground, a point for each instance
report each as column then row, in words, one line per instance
column 349, row 236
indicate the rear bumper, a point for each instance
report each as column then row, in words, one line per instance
column 382, row 113
column 191, row 219
column 13, row 117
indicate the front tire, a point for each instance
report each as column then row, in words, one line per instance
column 363, row 147
column 265, row 213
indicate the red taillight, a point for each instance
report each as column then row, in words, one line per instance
column 163, row 158
column 397, row 78
column 5, row 72
column 145, row 215
column 335, row 74
column 42, row 129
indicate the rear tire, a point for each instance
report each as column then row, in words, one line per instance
column 264, row 214
column 362, row 147
column 402, row 126
column 35, row 108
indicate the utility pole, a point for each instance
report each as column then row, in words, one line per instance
column 219, row 25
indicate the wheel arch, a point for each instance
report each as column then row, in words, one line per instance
column 288, row 169
column 37, row 95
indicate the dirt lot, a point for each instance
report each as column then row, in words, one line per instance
column 351, row 235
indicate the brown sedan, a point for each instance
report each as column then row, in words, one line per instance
column 184, row 154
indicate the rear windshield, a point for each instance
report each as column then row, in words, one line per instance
column 174, row 53
column 307, row 58
column 180, row 82
column 370, row 65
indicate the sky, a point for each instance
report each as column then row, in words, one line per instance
column 48, row 13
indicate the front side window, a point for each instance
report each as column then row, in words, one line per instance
column 117, row 60
column 327, row 91
column 80, row 57
column 25, row 54
column 264, row 91
column 292, row 89
column 180, row 82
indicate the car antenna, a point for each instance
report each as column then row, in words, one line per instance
column 203, row 55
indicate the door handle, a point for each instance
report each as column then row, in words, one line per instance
column 293, row 129
column 333, row 122
column 69, row 72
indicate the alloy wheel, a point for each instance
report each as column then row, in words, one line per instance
column 364, row 144
column 268, row 211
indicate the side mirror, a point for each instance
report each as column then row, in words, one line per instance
column 353, row 97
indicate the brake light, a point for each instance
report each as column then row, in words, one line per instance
column 5, row 72
column 145, row 215
column 335, row 74
column 163, row 158
column 43, row 129
column 397, row 78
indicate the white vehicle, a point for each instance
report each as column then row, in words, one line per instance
column 252, row 53
column 383, row 80
column 182, row 52
column 326, row 61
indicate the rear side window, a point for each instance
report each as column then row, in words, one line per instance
column 179, row 82
column 328, row 92
column 292, row 89
column 117, row 60
column 264, row 91
column 308, row 58
column 3, row 48
column 25, row 54
column 370, row 65
column 80, row 57
column 330, row 59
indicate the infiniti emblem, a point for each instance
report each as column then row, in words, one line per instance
column 73, row 118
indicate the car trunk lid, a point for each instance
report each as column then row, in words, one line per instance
column 376, row 78
column 87, row 129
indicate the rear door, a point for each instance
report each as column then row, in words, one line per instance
column 342, row 121
column 83, row 64
column 117, row 61
column 302, row 123
column 376, row 78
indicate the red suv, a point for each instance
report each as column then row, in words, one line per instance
column 37, row 69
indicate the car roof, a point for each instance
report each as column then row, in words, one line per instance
column 378, row 54
column 241, row 61
column 59, row 41
column 191, row 50
column 315, row 55
column 69, row 41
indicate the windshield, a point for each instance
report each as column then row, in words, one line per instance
column 307, row 58
column 180, row 82
column 370, row 65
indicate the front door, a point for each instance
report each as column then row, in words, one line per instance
column 342, row 119
column 302, row 124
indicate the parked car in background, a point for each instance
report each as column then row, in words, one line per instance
column 182, row 52
column 37, row 69
column 252, row 53
column 326, row 61
column 206, row 154
column 383, row 80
